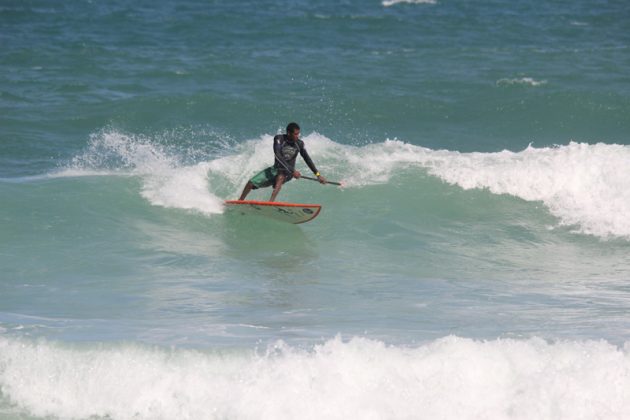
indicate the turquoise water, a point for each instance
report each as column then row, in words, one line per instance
column 475, row 263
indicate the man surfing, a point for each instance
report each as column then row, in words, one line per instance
column 285, row 148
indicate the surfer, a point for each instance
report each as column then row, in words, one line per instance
column 285, row 148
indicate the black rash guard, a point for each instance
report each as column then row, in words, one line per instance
column 286, row 152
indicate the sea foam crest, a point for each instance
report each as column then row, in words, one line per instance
column 166, row 180
column 583, row 185
column 450, row 378
column 388, row 3
column 528, row 81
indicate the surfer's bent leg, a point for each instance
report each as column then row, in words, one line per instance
column 262, row 179
column 246, row 190
column 276, row 189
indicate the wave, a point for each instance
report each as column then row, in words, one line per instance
column 167, row 180
column 521, row 81
column 388, row 3
column 452, row 377
column 583, row 185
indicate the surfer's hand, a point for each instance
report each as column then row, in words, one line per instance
column 297, row 174
column 322, row 180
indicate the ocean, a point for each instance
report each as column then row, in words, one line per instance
column 474, row 265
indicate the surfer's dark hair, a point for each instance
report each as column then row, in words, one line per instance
column 292, row 127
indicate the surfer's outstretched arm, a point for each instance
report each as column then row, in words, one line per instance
column 309, row 162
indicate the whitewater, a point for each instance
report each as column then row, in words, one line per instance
column 450, row 378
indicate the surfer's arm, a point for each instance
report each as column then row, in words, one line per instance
column 308, row 160
column 310, row 164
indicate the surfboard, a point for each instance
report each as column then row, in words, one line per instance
column 284, row 212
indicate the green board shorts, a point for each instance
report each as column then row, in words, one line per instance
column 266, row 178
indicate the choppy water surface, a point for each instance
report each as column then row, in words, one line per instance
column 474, row 265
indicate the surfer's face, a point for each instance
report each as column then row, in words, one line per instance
column 293, row 136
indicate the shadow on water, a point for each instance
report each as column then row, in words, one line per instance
column 276, row 248
column 228, row 246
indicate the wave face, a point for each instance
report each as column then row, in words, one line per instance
column 583, row 185
column 449, row 378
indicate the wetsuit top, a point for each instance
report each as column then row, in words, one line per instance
column 286, row 152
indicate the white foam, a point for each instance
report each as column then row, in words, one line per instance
column 388, row 3
column 167, row 181
column 450, row 378
column 521, row 81
column 583, row 185
column 182, row 187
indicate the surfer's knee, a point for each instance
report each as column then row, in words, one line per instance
column 280, row 180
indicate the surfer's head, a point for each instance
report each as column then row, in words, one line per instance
column 293, row 131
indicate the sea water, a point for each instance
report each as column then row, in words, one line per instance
column 475, row 264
